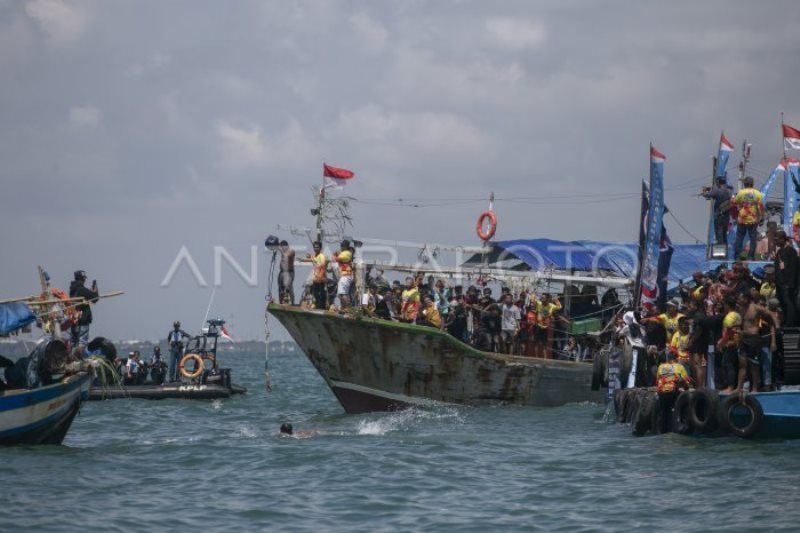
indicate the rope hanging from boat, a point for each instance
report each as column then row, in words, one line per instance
column 268, row 298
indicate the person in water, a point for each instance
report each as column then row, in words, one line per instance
column 289, row 431
column 79, row 333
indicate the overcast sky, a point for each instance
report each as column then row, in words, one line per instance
column 131, row 129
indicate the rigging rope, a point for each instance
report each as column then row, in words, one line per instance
column 268, row 298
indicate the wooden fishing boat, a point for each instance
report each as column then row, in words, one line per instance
column 42, row 415
column 379, row 365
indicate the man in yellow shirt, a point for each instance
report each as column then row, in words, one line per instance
column 319, row 280
column 669, row 319
column 749, row 203
column 431, row 313
column 796, row 225
column 679, row 345
column 545, row 308
column 728, row 345
column 344, row 257
column 410, row 298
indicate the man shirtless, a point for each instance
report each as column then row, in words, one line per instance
column 751, row 354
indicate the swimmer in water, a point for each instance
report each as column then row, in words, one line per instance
column 288, row 431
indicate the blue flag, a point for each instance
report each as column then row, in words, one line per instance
column 790, row 194
column 655, row 221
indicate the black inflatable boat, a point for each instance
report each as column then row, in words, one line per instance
column 206, row 381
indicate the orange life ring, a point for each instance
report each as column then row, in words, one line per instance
column 485, row 236
column 198, row 366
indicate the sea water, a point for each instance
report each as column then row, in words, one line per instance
column 140, row 465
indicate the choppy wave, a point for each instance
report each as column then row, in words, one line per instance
column 176, row 464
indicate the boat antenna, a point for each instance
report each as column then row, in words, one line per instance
column 210, row 302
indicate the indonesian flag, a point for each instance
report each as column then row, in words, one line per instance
column 791, row 137
column 725, row 150
column 724, row 144
column 656, row 156
column 337, row 177
column 224, row 334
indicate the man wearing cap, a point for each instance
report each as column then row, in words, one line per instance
column 721, row 194
column 79, row 332
column 669, row 319
column 750, row 211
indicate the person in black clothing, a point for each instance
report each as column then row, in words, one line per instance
column 79, row 333
column 721, row 194
column 383, row 303
column 456, row 322
column 489, row 327
column 700, row 339
column 175, row 341
column 786, row 266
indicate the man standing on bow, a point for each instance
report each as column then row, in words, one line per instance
column 79, row 332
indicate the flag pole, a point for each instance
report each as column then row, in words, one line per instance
column 319, row 205
column 783, row 138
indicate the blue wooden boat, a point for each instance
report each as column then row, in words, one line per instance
column 42, row 415
column 781, row 414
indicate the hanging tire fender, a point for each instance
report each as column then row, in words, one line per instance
column 681, row 422
column 748, row 402
column 704, row 410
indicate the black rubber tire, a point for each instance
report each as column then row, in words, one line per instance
column 756, row 415
column 623, row 405
column 642, row 418
column 625, row 363
column 658, row 419
column 704, row 410
column 597, row 373
column 631, row 404
column 618, row 404
column 681, row 422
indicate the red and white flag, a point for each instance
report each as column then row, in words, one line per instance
column 656, row 156
column 791, row 137
column 224, row 334
column 337, row 177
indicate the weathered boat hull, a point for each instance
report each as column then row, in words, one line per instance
column 43, row 415
column 377, row 365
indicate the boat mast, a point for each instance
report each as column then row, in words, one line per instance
column 321, row 200
column 711, row 233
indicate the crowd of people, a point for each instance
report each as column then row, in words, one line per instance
column 724, row 332
column 517, row 322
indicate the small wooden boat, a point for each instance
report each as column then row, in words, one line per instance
column 42, row 415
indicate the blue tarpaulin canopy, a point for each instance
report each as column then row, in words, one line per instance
column 14, row 316
column 585, row 256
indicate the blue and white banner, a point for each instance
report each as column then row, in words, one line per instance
column 655, row 220
column 725, row 149
column 767, row 187
column 790, row 194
